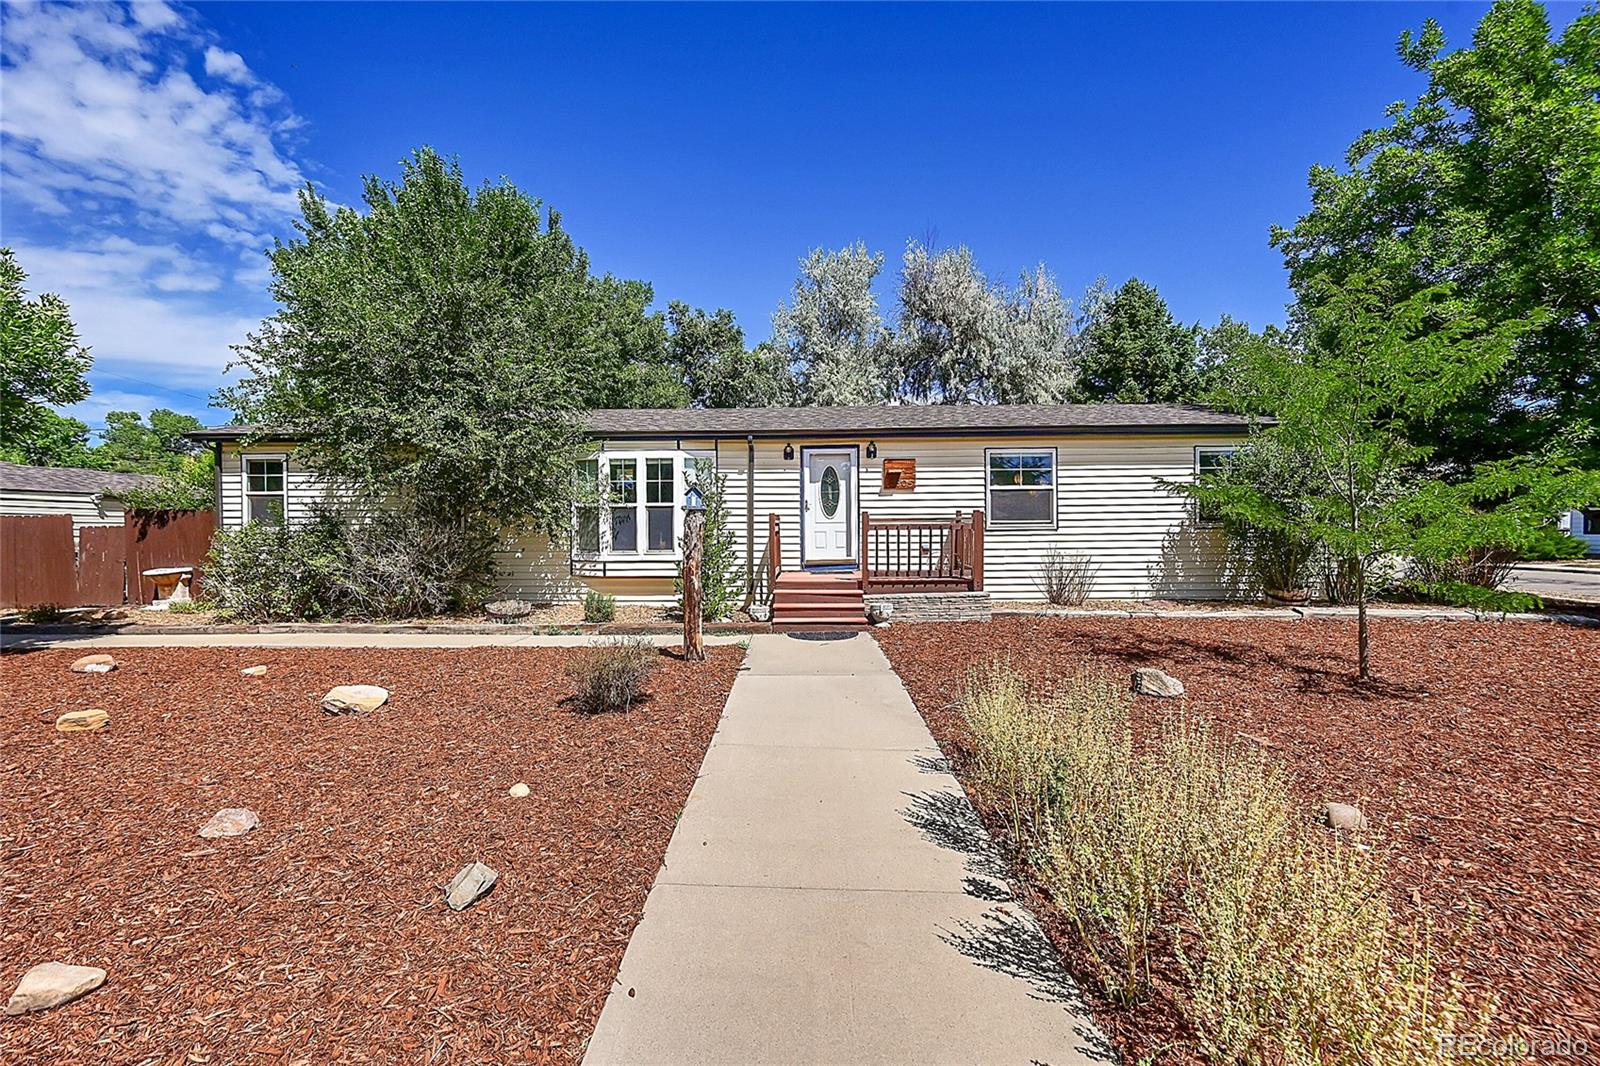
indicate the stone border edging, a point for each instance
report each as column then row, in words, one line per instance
column 1297, row 614
column 472, row 629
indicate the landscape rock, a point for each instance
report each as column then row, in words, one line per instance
column 353, row 699
column 469, row 886
column 230, row 822
column 879, row 612
column 1148, row 681
column 519, row 790
column 51, row 984
column 254, row 671
column 881, row 625
column 1343, row 816
column 88, row 721
column 759, row 612
column 94, row 664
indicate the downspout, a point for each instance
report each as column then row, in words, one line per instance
column 750, row 521
column 216, row 482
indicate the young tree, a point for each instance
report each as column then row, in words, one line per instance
column 830, row 331
column 41, row 363
column 436, row 350
column 717, row 370
column 1371, row 364
column 1134, row 351
column 1489, row 181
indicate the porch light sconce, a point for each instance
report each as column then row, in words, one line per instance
column 788, row 451
column 872, row 449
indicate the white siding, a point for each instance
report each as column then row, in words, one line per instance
column 1110, row 507
column 86, row 508
column 303, row 491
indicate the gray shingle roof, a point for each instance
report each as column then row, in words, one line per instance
column 899, row 420
column 914, row 420
column 15, row 477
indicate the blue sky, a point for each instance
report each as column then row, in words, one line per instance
column 151, row 152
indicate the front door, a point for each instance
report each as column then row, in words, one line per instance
column 827, row 522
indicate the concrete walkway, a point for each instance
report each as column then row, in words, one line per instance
column 829, row 895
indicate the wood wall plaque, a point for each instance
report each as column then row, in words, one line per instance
column 899, row 475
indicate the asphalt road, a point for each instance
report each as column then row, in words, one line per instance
column 1580, row 583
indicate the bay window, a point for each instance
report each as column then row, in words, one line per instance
column 624, row 500
column 629, row 504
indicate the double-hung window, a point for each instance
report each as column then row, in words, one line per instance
column 266, row 496
column 623, row 496
column 1211, row 460
column 588, row 532
column 1021, row 486
column 660, row 479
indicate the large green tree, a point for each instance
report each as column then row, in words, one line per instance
column 438, row 347
column 716, row 368
column 1134, row 351
column 41, row 364
column 1489, row 181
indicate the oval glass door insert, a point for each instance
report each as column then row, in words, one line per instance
column 830, row 492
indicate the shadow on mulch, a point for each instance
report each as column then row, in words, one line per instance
column 1476, row 751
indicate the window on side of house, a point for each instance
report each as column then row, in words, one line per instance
column 266, row 496
column 588, row 531
column 1210, row 460
column 624, row 500
column 1021, row 486
column 1591, row 521
column 660, row 481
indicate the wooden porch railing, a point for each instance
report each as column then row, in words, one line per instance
column 922, row 554
column 771, row 563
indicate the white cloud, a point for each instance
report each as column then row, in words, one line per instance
column 99, row 101
column 145, row 171
column 222, row 63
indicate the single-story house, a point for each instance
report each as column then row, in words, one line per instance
column 91, row 497
column 837, row 501
column 1585, row 525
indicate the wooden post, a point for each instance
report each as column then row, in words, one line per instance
column 694, row 529
column 977, row 551
column 866, row 551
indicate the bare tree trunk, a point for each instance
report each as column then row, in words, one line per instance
column 694, row 525
column 1361, row 620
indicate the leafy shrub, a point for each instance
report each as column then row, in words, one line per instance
column 190, row 607
column 399, row 567
column 390, row 566
column 1065, row 578
column 598, row 606
column 41, row 614
column 262, row 572
column 1283, row 934
column 721, row 589
column 612, row 676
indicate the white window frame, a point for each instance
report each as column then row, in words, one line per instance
column 680, row 463
column 1227, row 450
column 245, row 495
column 989, row 488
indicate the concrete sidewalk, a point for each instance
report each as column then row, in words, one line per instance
column 829, row 895
column 334, row 640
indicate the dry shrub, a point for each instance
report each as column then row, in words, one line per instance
column 1289, row 950
column 611, row 677
column 1066, row 578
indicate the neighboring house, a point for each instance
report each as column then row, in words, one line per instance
column 1585, row 525
column 920, row 498
column 91, row 497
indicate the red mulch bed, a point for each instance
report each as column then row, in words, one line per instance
column 323, row 935
column 1476, row 749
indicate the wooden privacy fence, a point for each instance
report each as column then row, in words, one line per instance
column 39, row 563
